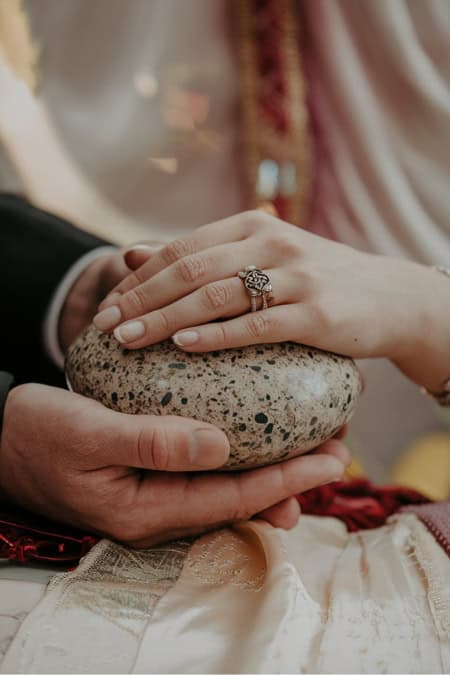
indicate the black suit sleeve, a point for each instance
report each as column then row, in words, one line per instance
column 36, row 250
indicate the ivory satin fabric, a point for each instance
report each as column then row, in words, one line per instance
column 250, row 599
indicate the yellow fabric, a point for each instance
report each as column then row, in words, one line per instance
column 355, row 470
column 425, row 466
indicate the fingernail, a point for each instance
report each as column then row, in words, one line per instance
column 186, row 338
column 206, row 450
column 113, row 297
column 108, row 300
column 333, row 480
column 143, row 247
column 107, row 318
column 130, row 331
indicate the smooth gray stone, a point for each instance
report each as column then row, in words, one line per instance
column 273, row 401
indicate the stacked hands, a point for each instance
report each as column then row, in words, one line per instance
column 144, row 479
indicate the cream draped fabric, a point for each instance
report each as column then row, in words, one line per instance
column 250, row 599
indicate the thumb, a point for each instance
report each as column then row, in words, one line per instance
column 165, row 443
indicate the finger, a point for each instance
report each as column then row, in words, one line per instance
column 342, row 432
column 161, row 443
column 276, row 324
column 139, row 254
column 132, row 258
column 212, row 499
column 233, row 229
column 178, row 280
column 219, row 299
column 335, row 448
column 285, row 514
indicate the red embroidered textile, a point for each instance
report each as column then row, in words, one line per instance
column 27, row 537
column 358, row 503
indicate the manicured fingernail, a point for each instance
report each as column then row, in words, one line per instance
column 143, row 247
column 107, row 318
column 108, row 300
column 186, row 338
column 130, row 331
column 333, row 480
column 113, row 297
column 207, row 449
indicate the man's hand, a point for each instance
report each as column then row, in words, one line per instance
column 93, row 284
column 75, row 461
column 89, row 289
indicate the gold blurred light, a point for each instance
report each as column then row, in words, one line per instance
column 165, row 164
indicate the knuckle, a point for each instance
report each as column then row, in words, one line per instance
column 176, row 250
column 251, row 220
column 191, row 268
column 221, row 336
column 134, row 302
column 254, row 220
column 282, row 245
column 165, row 323
column 139, row 275
column 240, row 510
column 257, row 324
column 216, row 296
column 153, row 448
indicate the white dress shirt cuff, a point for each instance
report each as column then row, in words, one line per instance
column 52, row 315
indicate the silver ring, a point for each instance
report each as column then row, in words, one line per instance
column 257, row 285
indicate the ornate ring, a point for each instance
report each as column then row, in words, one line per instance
column 257, row 284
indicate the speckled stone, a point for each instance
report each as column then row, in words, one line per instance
column 273, row 401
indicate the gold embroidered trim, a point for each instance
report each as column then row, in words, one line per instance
column 263, row 140
column 229, row 556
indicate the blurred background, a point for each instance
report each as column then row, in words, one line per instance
column 144, row 119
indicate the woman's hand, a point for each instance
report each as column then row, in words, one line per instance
column 325, row 294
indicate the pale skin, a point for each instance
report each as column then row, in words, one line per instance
column 326, row 294
column 136, row 478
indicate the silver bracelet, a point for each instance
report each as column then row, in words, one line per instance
column 442, row 397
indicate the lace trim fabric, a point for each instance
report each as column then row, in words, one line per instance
column 92, row 619
column 438, row 587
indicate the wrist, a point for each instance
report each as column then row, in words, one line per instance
column 424, row 355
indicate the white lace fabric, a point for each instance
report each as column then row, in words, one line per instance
column 250, row 599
